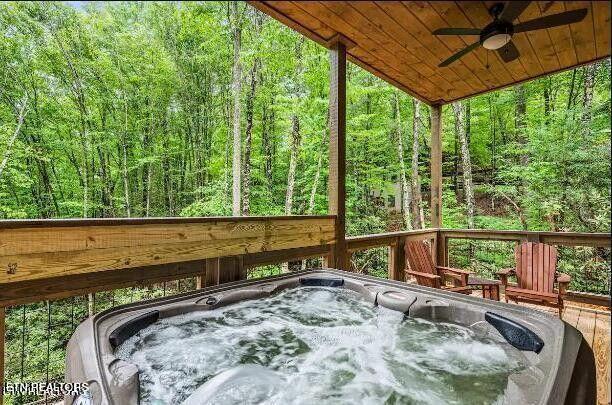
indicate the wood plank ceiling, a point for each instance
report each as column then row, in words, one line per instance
column 393, row 40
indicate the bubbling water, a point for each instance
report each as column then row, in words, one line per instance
column 324, row 345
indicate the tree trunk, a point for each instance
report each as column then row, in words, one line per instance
column 570, row 97
column 587, row 96
column 236, row 86
column 418, row 217
column 519, row 123
column 295, row 129
column 315, row 182
column 295, row 146
column 466, row 165
column 547, row 102
column 493, row 151
column 405, row 189
column 9, row 146
column 268, row 145
column 124, row 153
column 248, row 141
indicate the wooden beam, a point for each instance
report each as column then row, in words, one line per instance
column 436, row 166
column 337, row 153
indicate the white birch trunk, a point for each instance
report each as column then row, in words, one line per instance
column 405, row 189
column 9, row 146
column 466, row 165
column 418, row 216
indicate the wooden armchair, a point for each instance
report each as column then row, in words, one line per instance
column 422, row 267
column 536, row 274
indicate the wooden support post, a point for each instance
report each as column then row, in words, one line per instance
column 212, row 272
column 221, row 270
column 201, row 279
column 337, row 152
column 436, row 166
column 441, row 251
column 397, row 260
column 228, row 269
column 2, row 334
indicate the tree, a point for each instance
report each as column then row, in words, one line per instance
column 295, row 129
column 418, row 216
column 235, row 20
column 406, row 192
column 466, row 164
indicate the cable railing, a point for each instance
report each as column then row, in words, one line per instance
column 37, row 334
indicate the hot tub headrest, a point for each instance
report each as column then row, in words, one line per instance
column 321, row 282
column 131, row 327
column 516, row 334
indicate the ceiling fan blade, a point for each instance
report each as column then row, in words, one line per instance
column 549, row 21
column 508, row 52
column 459, row 54
column 512, row 9
column 457, row 31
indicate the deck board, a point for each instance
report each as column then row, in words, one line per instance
column 601, row 348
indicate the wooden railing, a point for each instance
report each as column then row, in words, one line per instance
column 51, row 259
column 395, row 242
column 54, row 259
column 570, row 239
column 439, row 242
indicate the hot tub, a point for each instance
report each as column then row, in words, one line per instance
column 328, row 336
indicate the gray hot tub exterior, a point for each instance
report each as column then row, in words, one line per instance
column 565, row 361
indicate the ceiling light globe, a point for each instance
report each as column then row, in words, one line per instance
column 496, row 41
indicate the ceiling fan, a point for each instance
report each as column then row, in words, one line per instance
column 498, row 34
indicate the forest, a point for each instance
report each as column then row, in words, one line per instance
column 149, row 109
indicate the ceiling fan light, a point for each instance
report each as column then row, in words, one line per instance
column 496, row 41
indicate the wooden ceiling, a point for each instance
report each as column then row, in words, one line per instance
column 393, row 40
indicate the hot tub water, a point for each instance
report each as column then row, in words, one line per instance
column 317, row 344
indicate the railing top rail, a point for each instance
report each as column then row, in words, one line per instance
column 598, row 239
column 521, row 232
column 37, row 223
column 375, row 236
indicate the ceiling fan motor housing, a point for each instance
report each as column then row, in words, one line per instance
column 496, row 35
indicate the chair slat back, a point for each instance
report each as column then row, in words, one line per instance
column 418, row 256
column 535, row 266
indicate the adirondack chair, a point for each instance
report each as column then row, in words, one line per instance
column 536, row 274
column 422, row 267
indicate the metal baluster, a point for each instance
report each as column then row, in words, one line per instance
column 23, row 323
column 48, row 339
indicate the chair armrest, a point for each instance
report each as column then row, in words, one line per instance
column 419, row 274
column 503, row 275
column 460, row 276
column 453, row 270
column 563, row 280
